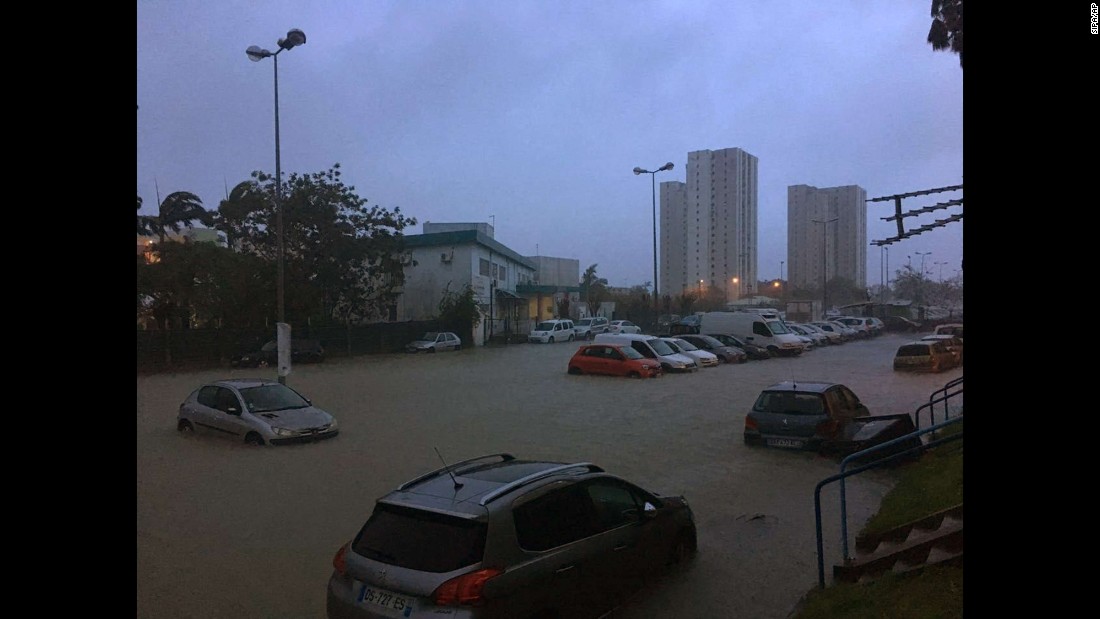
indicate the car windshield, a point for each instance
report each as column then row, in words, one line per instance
column 630, row 353
column 709, row 341
column 661, row 347
column 429, row 336
column 787, row 403
column 584, row 322
column 274, row 397
column 545, row 326
column 777, row 327
column 685, row 345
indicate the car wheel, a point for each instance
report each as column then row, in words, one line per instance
column 431, row 350
column 551, row 340
column 185, row 427
column 576, row 371
column 570, row 337
column 253, row 439
column 684, row 548
column 773, row 351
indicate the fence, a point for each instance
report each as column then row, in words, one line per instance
column 159, row 351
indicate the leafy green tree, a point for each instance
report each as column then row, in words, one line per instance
column 946, row 32
column 458, row 310
column 179, row 209
column 341, row 257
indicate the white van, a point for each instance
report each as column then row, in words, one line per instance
column 651, row 348
column 550, row 331
column 769, row 333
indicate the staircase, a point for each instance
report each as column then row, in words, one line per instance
column 933, row 540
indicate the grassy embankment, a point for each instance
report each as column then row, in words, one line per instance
column 932, row 484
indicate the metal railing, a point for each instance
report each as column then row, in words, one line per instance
column 870, row 465
column 947, row 392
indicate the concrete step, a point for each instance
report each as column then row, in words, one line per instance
column 920, row 548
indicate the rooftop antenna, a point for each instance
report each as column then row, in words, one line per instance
column 448, row 467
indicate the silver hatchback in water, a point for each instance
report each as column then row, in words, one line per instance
column 497, row 537
column 257, row 411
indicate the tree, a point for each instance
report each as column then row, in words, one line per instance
column 685, row 302
column 178, row 210
column 458, row 310
column 594, row 289
column 946, row 32
column 563, row 306
column 341, row 257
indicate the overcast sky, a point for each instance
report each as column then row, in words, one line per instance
column 532, row 114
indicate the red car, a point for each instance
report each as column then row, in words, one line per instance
column 613, row 360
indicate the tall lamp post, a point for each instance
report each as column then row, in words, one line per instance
column 653, row 190
column 294, row 38
column 824, row 264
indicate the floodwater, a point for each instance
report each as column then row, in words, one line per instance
column 228, row 531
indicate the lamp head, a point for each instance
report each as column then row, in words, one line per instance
column 256, row 53
column 294, row 38
column 667, row 166
column 638, row 171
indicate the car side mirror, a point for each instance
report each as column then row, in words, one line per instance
column 648, row 511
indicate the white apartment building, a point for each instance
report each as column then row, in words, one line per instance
column 709, row 226
column 819, row 251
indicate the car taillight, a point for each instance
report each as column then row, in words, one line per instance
column 464, row 590
column 338, row 561
column 750, row 424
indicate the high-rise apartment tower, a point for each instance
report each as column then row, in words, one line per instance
column 708, row 226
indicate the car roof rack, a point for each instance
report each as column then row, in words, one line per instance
column 587, row 467
column 504, row 457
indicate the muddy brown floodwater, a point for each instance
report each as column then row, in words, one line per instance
column 228, row 531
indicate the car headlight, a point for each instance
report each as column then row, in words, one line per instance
column 332, row 426
column 283, row 431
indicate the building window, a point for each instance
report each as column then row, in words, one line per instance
column 484, row 267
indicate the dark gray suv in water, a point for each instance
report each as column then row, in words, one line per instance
column 497, row 537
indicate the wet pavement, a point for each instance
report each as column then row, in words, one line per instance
column 228, row 531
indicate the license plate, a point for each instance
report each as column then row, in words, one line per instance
column 389, row 602
column 786, row 442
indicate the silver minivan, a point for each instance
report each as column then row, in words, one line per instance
column 651, row 348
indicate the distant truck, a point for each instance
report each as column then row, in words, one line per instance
column 766, row 332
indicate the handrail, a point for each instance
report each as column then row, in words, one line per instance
column 932, row 401
column 945, row 389
column 861, row 454
column 856, row 471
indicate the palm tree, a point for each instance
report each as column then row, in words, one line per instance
column 946, row 32
column 179, row 209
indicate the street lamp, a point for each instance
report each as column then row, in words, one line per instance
column 653, row 189
column 824, row 264
column 255, row 53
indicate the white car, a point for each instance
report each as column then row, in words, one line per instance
column 550, row 331
column 257, row 411
column 623, row 326
column 704, row 358
column 435, row 341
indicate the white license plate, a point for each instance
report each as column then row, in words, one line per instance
column 786, row 442
column 389, row 602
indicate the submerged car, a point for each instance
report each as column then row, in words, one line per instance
column 499, row 537
column 704, row 358
column 256, row 411
column 623, row 326
column 588, row 328
column 821, row 416
column 301, row 351
column 726, row 353
column 613, row 360
column 754, row 352
column 550, row 331
column 924, row 356
column 435, row 341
